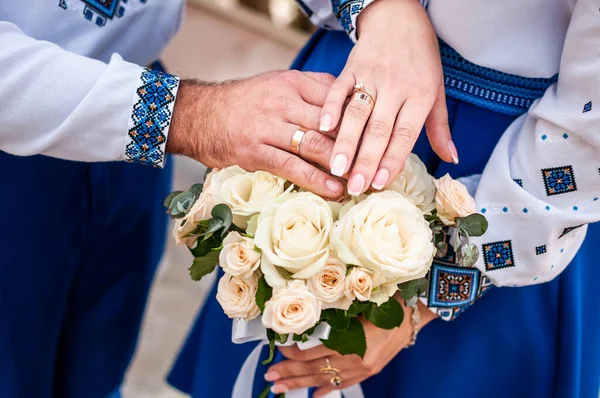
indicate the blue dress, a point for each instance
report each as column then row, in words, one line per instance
column 532, row 342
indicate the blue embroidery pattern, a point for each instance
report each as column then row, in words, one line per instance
column 452, row 286
column 558, row 180
column 567, row 230
column 488, row 88
column 497, row 255
column 100, row 11
column 345, row 10
column 587, row 107
column 151, row 118
column 540, row 250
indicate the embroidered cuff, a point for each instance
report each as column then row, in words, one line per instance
column 452, row 289
column 347, row 12
column 151, row 118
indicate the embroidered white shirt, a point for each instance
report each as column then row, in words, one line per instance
column 71, row 76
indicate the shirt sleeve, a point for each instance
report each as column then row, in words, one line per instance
column 68, row 106
column 541, row 185
column 337, row 14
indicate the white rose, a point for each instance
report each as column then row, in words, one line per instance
column 238, row 257
column 329, row 285
column 359, row 284
column 247, row 193
column 199, row 211
column 387, row 234
column 293, row 309
column 237, row 296
column 293, row 233
column 452, row 200
column 183, row 228
column 416, row 184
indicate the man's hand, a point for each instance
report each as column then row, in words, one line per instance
column 250, row 123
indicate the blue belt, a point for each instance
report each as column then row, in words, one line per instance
column 488, row 88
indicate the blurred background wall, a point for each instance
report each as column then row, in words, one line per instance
column 220, row 39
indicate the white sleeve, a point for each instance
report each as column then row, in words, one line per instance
column 337, row 14
column 64, row 105
column 542, row 183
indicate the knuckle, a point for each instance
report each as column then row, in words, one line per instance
column 317, row 144
column 291, row 76
column 378, row 128
column 393, row 159
column 345, row 142
column 405, row 130
column 358, row 109
column 289, row 164
column 312, row 176
column 364, row 162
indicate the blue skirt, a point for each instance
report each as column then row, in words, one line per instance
column 537, row 341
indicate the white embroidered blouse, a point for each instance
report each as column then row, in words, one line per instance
column 542, row 184
column 72, row 83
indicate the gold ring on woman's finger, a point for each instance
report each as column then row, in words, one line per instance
column 297, row 140
column 336, row 381
column 328, row 368
column 364, row 97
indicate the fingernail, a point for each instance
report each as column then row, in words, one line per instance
column 453, row 152
column 333, row 185
column 325, row 122
column 279, row 389
column 338, row 165
column 272, row 376
column 356, row 184
column 381, row 178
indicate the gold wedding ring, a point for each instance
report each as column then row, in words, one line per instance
column 336, row 381
column 361, row 94
column 297, row 140
column 328, row 368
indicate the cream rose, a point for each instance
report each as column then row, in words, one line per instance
column 238, row 257
column 452, row 200
column 329, row 285
column 293, row 309
column 293, row 234
column 199, row 211
column 247, row 193
column 359, row 284
column 237, row 296
column 416, row 184
column 387, row 234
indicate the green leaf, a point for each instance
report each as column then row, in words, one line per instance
column 264, row 292
column 169, row 199
column 281, row 338
column 413, row 288
column 203, row 247
column 358, row 308
column 337, row 319
column 388, row 315
column 352, row 340
column 214, row 224
column 223, row 213
column 204, row 265
column 468, row 255
column 196, row 189
column 271, row 338
column 474, row 224
column 181, row 204
column 266, row 392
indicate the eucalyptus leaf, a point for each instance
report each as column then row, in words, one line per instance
column 388, row 315
column 169, row 199
column 349, row 341
column 413, row 288
column 203, row 266
column 203, row 247
column 223, row 212
column 264, row 292
column 196, row 189
column 337, row 319
column 468, row 255
column 474, row 224
column 271, row 338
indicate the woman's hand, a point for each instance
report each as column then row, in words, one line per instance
column 302, row 369
column 397, row 59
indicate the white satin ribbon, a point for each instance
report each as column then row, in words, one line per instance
column 244, row 332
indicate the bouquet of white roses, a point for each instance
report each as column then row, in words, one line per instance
column 300, row 260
